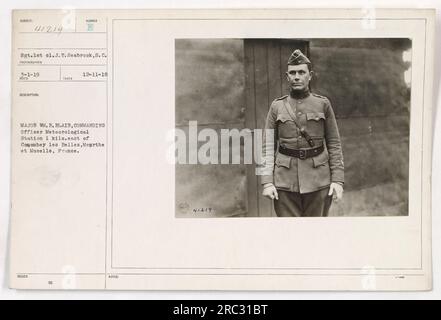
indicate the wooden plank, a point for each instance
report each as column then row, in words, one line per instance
column 261, row 81
column 250, row 122
column 262, row 104
column 285, row 52
column 276, row 76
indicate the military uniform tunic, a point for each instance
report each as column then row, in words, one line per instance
column 290, row 174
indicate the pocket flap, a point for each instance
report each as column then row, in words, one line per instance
column 321, row 159
column 283, row 117
column 283, row 161
column 315, row 116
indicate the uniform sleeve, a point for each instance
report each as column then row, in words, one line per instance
column 333, row 144
column 266, row 168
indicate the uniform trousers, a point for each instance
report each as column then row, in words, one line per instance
column 295, row 204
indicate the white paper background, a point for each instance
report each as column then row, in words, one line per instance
column 5, row 38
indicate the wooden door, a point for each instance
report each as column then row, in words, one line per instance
column 265, row 67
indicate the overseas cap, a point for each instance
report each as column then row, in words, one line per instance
column 297, row 57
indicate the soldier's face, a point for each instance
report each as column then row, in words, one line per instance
column 298, row 77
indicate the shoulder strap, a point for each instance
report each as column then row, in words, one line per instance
column 294, row 119
column 281, row 98
column 290, row 112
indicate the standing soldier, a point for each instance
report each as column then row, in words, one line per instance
column 308, row 171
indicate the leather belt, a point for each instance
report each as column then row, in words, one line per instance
column 302, row 154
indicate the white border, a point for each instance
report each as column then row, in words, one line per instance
column 5, row 137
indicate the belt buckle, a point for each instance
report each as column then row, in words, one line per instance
column 302, row 154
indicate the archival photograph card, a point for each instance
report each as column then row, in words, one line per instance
column 256, row 149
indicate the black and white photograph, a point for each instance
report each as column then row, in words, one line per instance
column 136, row 135
column 292, row 127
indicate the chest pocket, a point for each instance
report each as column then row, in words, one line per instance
column 285, row 126
column 315, row 123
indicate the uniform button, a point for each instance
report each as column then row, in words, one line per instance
column 299, row 101
column 299, row 113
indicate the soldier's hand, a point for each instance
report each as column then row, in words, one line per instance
column 270, row 191
column 336, row 190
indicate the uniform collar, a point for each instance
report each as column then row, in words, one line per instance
column 300, row 95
